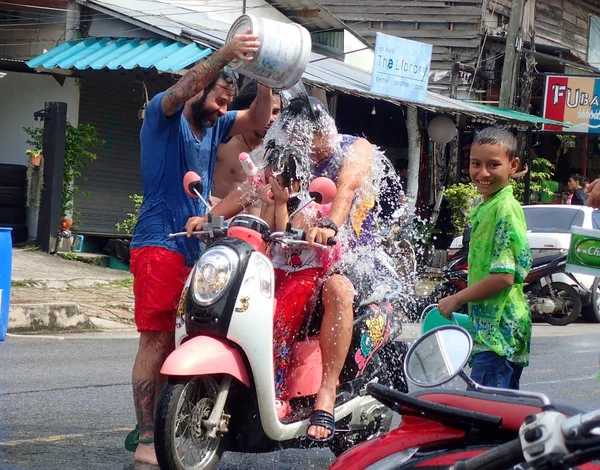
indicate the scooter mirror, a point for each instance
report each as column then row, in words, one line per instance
column 438, row 356
column 323, row 190
column 192, row 184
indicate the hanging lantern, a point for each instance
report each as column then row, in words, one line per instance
column 442, row 129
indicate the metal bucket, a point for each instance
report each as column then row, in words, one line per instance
column 283, row 53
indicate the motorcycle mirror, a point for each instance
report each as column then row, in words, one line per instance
column 192, row 184
column 438, row 356
column 322, row 190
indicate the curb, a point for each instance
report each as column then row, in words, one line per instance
column 55, row 317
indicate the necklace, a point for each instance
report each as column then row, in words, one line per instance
column 246, row 142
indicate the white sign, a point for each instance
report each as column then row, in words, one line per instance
column 401, row 68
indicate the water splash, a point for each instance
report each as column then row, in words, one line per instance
column 393, row 236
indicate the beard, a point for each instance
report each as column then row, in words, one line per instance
column 200, row 116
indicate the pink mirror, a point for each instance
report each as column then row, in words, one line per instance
column 192, row 184
column 323, row 190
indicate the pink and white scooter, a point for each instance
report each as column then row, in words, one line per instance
column 220, row 389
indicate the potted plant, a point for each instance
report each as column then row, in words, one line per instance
column 35, row 156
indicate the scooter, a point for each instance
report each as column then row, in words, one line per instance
column 557, row 303
column 220, row 389
column 441, row 427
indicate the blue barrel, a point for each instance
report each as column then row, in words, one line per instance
column 5, row 274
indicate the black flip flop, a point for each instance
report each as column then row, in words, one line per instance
column 325, row 420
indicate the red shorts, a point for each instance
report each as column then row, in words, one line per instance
column 294, row 292
column 158, row 279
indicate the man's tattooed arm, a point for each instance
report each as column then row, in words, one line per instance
column 193, row 82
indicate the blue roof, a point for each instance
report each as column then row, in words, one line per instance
column 164, row 55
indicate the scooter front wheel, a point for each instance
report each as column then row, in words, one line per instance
column 180, row 437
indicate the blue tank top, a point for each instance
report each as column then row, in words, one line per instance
column 169, row 150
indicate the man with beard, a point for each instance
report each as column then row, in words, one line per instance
column 229, row 174
column 181, row 132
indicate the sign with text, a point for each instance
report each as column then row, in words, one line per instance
column 401, row 68
column 573, row 100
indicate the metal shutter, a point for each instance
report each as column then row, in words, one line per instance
column 110, row 101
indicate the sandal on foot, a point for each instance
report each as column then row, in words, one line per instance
column 133, row 439
column 325, row 420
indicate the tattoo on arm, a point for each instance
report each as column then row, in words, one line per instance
column 144, row 392
column 192, row 82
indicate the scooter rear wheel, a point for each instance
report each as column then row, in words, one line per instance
column 571, row 298
column 180, row 437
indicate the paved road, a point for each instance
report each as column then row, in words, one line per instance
column 66, row 403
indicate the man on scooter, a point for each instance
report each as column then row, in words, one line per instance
column 348, row 161
column 182, row 129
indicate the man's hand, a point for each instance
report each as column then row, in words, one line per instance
column 319, row 235
column 448, row 305
column 593, row 191
column 280, row 195
column 194, row 224
column 265, row 194
column 241, row 46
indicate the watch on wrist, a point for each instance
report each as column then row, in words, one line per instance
column 330, row 224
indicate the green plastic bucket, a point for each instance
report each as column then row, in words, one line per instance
column 434, row 319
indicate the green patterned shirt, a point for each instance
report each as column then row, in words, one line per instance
column 502, row 322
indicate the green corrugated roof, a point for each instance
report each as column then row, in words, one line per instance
column 511, row 115
column 165, row 55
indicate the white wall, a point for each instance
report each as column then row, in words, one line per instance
column 363, row 59
column 21, row 95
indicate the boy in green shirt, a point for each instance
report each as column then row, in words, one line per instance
column 499, row 261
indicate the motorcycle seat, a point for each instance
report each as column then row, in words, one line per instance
column 548, row 259
column 512, row 410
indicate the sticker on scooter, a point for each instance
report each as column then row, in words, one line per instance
column 245, row 305
column 181, row 306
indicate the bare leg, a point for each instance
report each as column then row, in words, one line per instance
column 335, row 338
column 154, row 347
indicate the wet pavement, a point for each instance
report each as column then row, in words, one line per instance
column 66, row 403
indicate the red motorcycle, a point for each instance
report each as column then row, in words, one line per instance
column 442, row 427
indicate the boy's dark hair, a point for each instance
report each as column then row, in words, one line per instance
column 498, row 136
column 577, row 177
column 246, row 96
column 283, row 161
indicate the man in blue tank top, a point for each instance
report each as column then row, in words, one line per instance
column 182, row 130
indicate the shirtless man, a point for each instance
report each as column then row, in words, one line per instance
column 229, row 174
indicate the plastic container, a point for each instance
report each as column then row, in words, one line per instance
column 77, row 246
column 283, row 53
column 434, row 319
column 5, row 278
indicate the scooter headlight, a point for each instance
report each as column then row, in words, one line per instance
column 213, row 273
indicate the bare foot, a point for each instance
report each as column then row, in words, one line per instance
column 325, row 401
column 145, row 453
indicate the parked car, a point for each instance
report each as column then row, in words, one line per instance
column 548, row 232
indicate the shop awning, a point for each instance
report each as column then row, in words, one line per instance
column 165, row 55
column 511, row 115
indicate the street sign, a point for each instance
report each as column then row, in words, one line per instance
column 401, row 68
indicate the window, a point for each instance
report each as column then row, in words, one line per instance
column 553, row 220
column 593, row 57
column 596, row 220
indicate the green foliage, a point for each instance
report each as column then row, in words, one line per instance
column 461, row 198
column 79, row 141
column 128, row 224
column 541, row 170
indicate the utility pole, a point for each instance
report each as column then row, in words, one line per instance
column 513, row 44
column 53, row 146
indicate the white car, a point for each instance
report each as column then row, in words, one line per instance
column 548, row 232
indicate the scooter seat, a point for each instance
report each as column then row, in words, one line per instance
column 512, row 410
